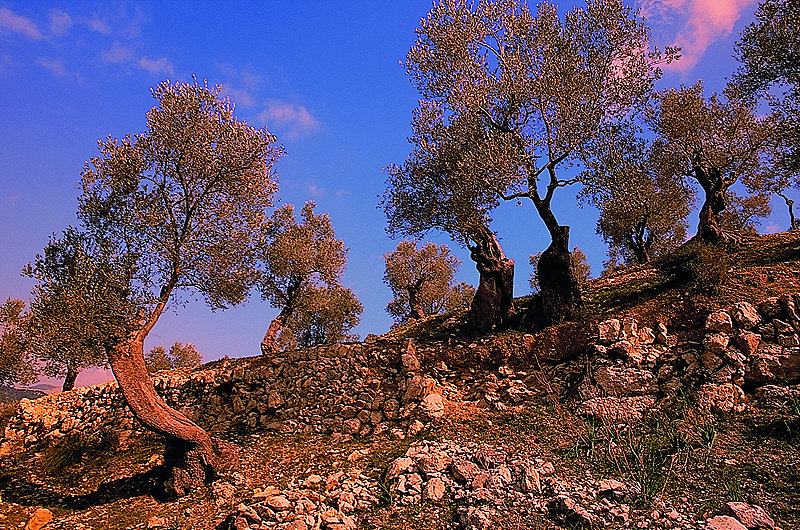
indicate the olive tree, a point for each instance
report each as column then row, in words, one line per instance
column 525, row 91
column 440, row 186
column 181, row 356
column 421, row 279
column 185, row 203
column 643, row 209
column 81, row 303
column 324, row 314
column 296, row 260
column 712, row 142
column 16, row 363
column 769, row 50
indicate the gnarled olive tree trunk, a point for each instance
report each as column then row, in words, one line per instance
column 494, row 300
column 558, row 282
column 714, row 186
column 70, row 377
column 269, row 344
column 189, row 452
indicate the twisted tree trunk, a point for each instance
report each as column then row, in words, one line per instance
column 70, row 377
column 558, row 282
column 494, row 300
column 269, row 344
column 714, row 186
column 189, row 454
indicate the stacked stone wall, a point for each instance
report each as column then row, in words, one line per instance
column 347, row 388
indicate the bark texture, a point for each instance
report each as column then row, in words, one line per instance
column 714, row 185
column 558, row 282
column 189, row 453
column 70, row 377
column 494, row 300
column 269, row 344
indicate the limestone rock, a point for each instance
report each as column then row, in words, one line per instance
column 434, row 489
column 719, row 321
column 745, row 315
column 627, row 351
column 620, row 381
column 716, row 342
column 724, row 522
column 433, row 406
column 747, row 341
column 608, row 331
column 773, row 363
column 725, row 397
column 409, row 358
column 41, row 517
column 751, row 516
column 399, row 466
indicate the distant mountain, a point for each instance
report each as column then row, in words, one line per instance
column 10, row 395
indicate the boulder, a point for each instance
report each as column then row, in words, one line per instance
column 434, row 489
column 720, row 320
column 725, row 397
column 621, row 381
column 716, row 342
column 745, row 315
column 751, row 516
column 772, row 363
column 724, row 522
column 433, row 406
column 41, row 517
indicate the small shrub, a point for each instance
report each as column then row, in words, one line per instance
column 705, row 267
column 72, row 450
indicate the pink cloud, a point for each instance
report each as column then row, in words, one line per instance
column 55, row 65
column 703, row 22
column 19, row 24
column 156, row 66
column 60, row 22
column 294, row 119
column 117, row 54
column 97, row 24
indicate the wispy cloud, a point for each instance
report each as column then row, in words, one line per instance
column 703, row 22
column 18, row 24
column 117, row 54
column 55, row 65
column 773, row 228
column 60, row 22
column 295, row 120
column 240, row 86
column 315, row 191
column 98, row 25
column 160, row 65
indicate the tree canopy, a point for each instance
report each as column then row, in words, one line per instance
column 643, row 208
column 181, row 356
column 298, row 261
column 512, row 96
column 421, row 280
column 16, row 363
column 185, row 203
column 713, row 142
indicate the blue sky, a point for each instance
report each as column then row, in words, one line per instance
column 323, row 76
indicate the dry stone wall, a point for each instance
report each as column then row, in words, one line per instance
column 354, row 389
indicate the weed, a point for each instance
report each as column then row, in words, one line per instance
column 707, row 434
column 732, row 482
column 72, row 450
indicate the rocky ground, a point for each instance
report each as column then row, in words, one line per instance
column 671, row 404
